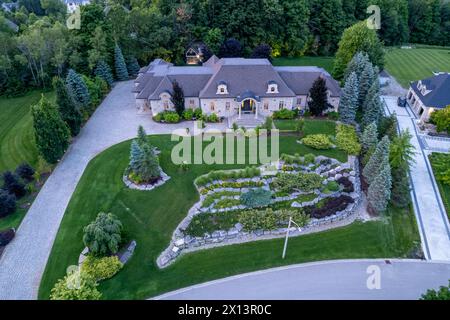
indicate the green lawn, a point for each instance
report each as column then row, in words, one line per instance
column 324, row 62
column 16, row 130
column 151, row 217
column 444, row 190
column 408, row 65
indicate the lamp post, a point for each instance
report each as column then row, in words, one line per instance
column 287, row 235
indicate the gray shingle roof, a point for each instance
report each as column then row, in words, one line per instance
column 439, row 97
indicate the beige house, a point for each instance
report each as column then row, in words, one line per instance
column 231, row 87
column 425, row 96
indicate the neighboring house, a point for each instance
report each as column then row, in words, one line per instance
column 230, row 87
column 10, row 6
column 72, row 5
column 384, row 78
column 194, row 54
column 424, row 96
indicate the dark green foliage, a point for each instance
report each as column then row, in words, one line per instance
column 372, row 108
column 144, row 163
column 104, row 71
column 7, row 203
column 349, row 100
column 51, row 133
column 263, row 51
column 13, row 185
column 379, row 191
column 256, row 198
column 25, row 171
column 400, row 192
column 133, row 66
column 377, row 160
column 230, row 48
column 77, row 89
column 67, row 108
column 319, row 98
column 442, row 294
column 103, row 235
column 330, row 206
column 6, row 235
column 120, row 66
column 287, row 182
column 388, row 127
column 177, row 98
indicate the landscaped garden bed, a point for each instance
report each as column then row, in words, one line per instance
column 245, row 205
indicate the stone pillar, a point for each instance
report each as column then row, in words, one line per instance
column 240, row 108
column 256, row 109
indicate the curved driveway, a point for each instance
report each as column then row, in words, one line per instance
column 24, row 260
column 340, row 279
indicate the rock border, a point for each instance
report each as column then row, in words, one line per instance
column 145, row 187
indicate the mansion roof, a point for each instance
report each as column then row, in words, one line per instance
column 434, row 91
column 240, row 76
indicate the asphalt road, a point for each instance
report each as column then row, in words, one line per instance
column 340, row 279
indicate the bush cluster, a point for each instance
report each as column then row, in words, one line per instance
column 232, row 184
column 284, row 114
column 347, row 140
column 289, row 182
column 167, row 116
column 248, row 172
column 269, row 219
column 317, row 141
column 101, row 268
column 441, row 166
column 330, row 206
column 256, row 198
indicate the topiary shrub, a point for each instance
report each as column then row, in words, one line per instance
column 317, row 141
column 103, row 235
column 74, row 286
column 7, row 203
column 25, row 171
column 6, row 237
column 101, row 268
column 13, row 185
column 256, row 198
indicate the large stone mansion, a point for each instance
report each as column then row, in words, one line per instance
column 230, row 87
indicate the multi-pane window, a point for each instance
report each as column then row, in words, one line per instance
column 212, row 106
column 266, row 105
column 281, row 105
column 227, row 105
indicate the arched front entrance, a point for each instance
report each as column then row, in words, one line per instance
column 248, row 106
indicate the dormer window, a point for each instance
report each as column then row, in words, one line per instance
column 222, row 88
column 272, row 87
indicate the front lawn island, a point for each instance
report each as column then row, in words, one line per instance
column 150, row 217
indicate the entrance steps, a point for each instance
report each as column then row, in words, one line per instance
column 247, row 121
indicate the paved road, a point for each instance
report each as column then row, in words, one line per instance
column 430, row 212
column 115, row 120
column 345, row 279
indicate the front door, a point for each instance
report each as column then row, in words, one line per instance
column 247, row 106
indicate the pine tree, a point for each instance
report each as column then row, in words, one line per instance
column 349, row 100
column 369, row 140
column 380, row 155
column 104, row 71
column 178, row 98
column 67, row 107
column 319, row 97
column 357, row 65
column 372, row 107
column 365, row 82
column 119, row 62
column 77, row 89
column 379, row 191
column 133, row 66
column 142, row 138
column 51, row 133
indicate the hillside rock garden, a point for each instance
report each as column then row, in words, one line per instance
column 256, row 202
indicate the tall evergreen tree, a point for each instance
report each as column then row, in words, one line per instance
column 379, row 191
column 51, row 133
column 369, row 138
column 77, row 89
column 142, row 138
column 178, row 97
column 67, row 107
column 372, row 107
column 349, row 100
column 357, row 65
column 103, row 71
column 119, row 62
column 365, row 82
column 380, row 156
column 318, row 97
column 133, row 66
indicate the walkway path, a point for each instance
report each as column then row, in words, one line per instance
column 23, row 262
column 341, row 279
column 430, row 212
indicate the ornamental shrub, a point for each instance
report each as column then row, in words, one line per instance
column 198, row 113
column 212, row 118
column 256, row 198
column 101, row 268
column 171, row 117
column 188, row 114
column 288, row 182
column 6, row 237
column 441, row 118
column 317, row 141
column 309, row 158
column 441, row 166
column 102, row 236
column 74, row 286
column 7, row 203
column 269, row 219
column 330, row 206
column 347, row 140
column 283, row 114
column 13, row 185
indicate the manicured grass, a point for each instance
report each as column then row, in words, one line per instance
column 444, row 190
column 16, row 130
column 312, row 126
column 323, row 62
column 151, row 217
column 408, row 65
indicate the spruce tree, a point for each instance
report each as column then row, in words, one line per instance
column 77, row 89
column 104, row 71
column 142, row 138
column 379, row 191
column 178, row 98
column 369, row 140
column 133, row 66
column 372, row 107
column 67, row 107
column 319, row 98
column 357, row 65
column 365, row 82
column 380, row 155
column 349, row 99
column 51, row 133
column 119, row 62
